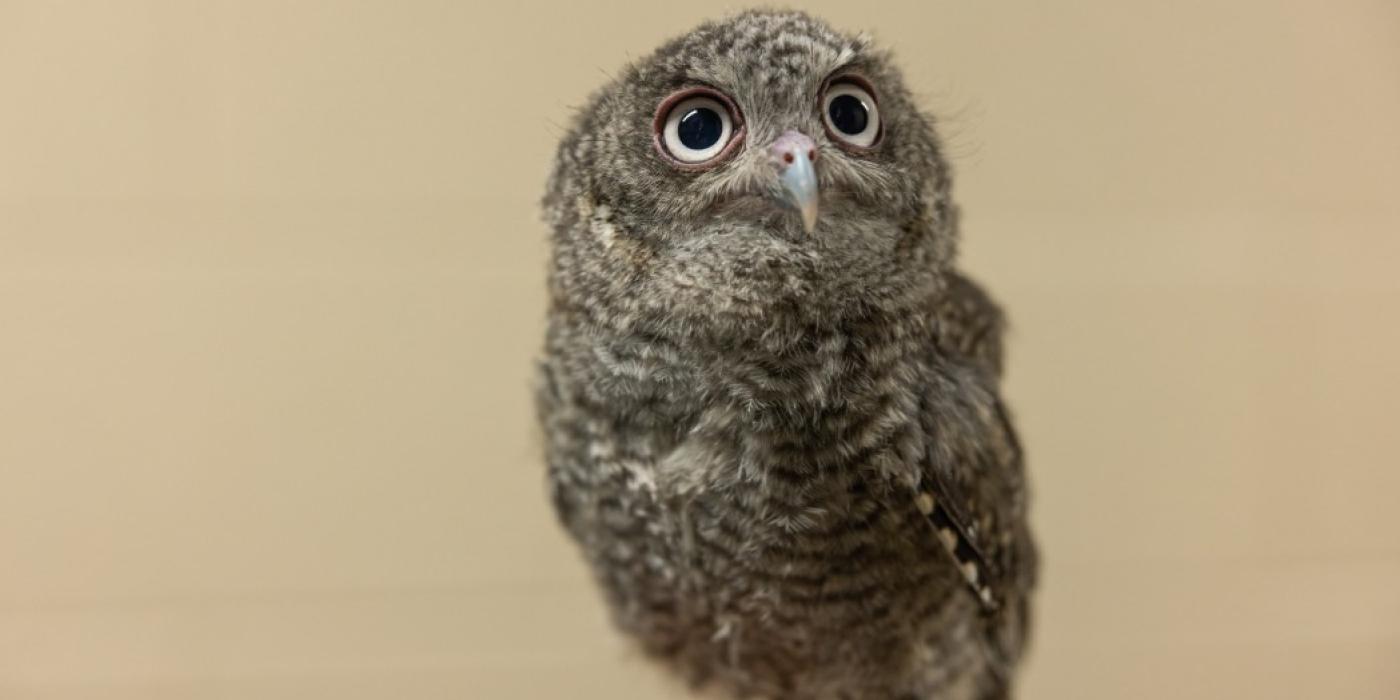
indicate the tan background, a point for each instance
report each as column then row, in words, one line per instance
column 271, row 281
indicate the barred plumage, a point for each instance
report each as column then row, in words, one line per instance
column 782, row 451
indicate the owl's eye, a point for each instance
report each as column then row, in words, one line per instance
column 695, row 127
column 851, row 114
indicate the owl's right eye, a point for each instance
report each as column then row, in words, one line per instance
column 695, row 128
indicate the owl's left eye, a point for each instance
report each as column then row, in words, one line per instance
column 850, row 113
column 697, row 127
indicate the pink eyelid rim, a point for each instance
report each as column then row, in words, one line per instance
column 861, row 82
column 663, row 110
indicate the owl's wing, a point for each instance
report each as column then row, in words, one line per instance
column 973, row 488
column 970, row 324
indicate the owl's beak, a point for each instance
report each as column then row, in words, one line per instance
column 794, row 155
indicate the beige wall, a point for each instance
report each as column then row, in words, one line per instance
column 271, row 279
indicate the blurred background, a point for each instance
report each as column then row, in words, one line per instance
column 271, row 285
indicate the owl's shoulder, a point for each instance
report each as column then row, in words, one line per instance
column 969, row 323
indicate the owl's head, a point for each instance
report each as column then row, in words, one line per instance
column 765, row 159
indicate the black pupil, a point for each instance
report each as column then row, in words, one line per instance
column 848, row 114
column 700, row 128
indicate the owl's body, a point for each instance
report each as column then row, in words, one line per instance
column 780, row 445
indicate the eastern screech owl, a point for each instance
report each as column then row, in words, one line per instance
column 770, row 400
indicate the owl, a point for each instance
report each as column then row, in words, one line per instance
column 770, row 400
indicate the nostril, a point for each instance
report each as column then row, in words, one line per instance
column 812, row 155
column 787, row 157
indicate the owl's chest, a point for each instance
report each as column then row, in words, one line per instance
column 762, row 502
column 788, row 444
column 801, row 519
column 821, row 568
